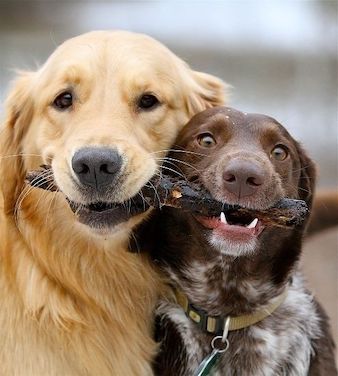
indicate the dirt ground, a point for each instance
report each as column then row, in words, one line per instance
column 320, row 267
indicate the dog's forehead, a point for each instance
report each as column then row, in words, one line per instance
column 268, row 128
column 239, row 121
column 123, row 50
column 231, row 120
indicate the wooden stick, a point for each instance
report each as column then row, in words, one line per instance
column 169, row 191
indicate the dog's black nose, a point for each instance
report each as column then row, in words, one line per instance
column 96, row 167
column 243, row 178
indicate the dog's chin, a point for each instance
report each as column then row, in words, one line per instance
column 233, row 248
column 232, row 237
column 108, row 217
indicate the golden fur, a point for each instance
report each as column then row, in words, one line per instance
column 73, row 300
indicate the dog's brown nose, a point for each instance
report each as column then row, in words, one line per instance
column 243, row 178
column 96, row 167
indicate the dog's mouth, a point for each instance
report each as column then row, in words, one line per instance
column 102, row 214
column 233, row 226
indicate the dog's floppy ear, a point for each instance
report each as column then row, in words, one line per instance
column 307, row 179
column 204, row 91
column 18, row 114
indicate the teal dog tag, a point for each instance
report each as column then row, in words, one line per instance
column 208, row 363
column 219, row 345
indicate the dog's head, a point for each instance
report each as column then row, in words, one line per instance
column 102, row 111
column 245, row 159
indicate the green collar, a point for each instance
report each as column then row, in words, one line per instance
column 215, row 324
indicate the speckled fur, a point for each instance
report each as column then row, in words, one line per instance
column 294, row 340
column 273, row 347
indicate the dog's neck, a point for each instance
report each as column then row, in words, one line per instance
column 223, row 287
column 71, row 268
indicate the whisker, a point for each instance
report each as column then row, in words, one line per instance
column 20, row 155
column 43, row 175
column 178, row 169
column 124, row 205
column 158, row 172
column 304, row 190
column 301, row 168
column 155, row 193
column 288, row 185
column 51, row 202
column 24, row 193
column 129, row 205
column 167, row 159
column 174, row 171
column 178, row 151
column 41, row 180
column 80, row 207
column 143, row 199
column 42, row 196
column 135, row 241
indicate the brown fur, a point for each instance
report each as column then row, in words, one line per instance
column 223, row 274
column 73, row 301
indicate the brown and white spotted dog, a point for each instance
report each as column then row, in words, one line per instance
column 235, row 268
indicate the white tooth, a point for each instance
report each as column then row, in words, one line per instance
column 223, row 219
column 253, row 223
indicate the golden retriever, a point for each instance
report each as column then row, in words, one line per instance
column 102, row 111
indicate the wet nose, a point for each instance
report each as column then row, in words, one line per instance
column 243, row 178
column 96, row 167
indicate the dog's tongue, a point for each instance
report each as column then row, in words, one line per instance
column 235, row 231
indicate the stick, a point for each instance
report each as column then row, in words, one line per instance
column 191, row 197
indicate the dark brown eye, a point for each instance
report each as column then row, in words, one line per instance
column 279, row 153
column 147, row 102
column 206, row 140
column 63, row 101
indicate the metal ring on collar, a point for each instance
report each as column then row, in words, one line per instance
column 221, row 346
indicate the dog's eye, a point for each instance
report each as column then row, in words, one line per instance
column 63, row 101
column 279, row 153
column 206, row 140
column 147, row 102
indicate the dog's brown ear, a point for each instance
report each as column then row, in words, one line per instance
column 18, row 114
column 307, row 179
column 204, row 91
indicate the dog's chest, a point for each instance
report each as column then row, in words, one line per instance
column 279, row 345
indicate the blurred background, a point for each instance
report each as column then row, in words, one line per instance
column 280, row 56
